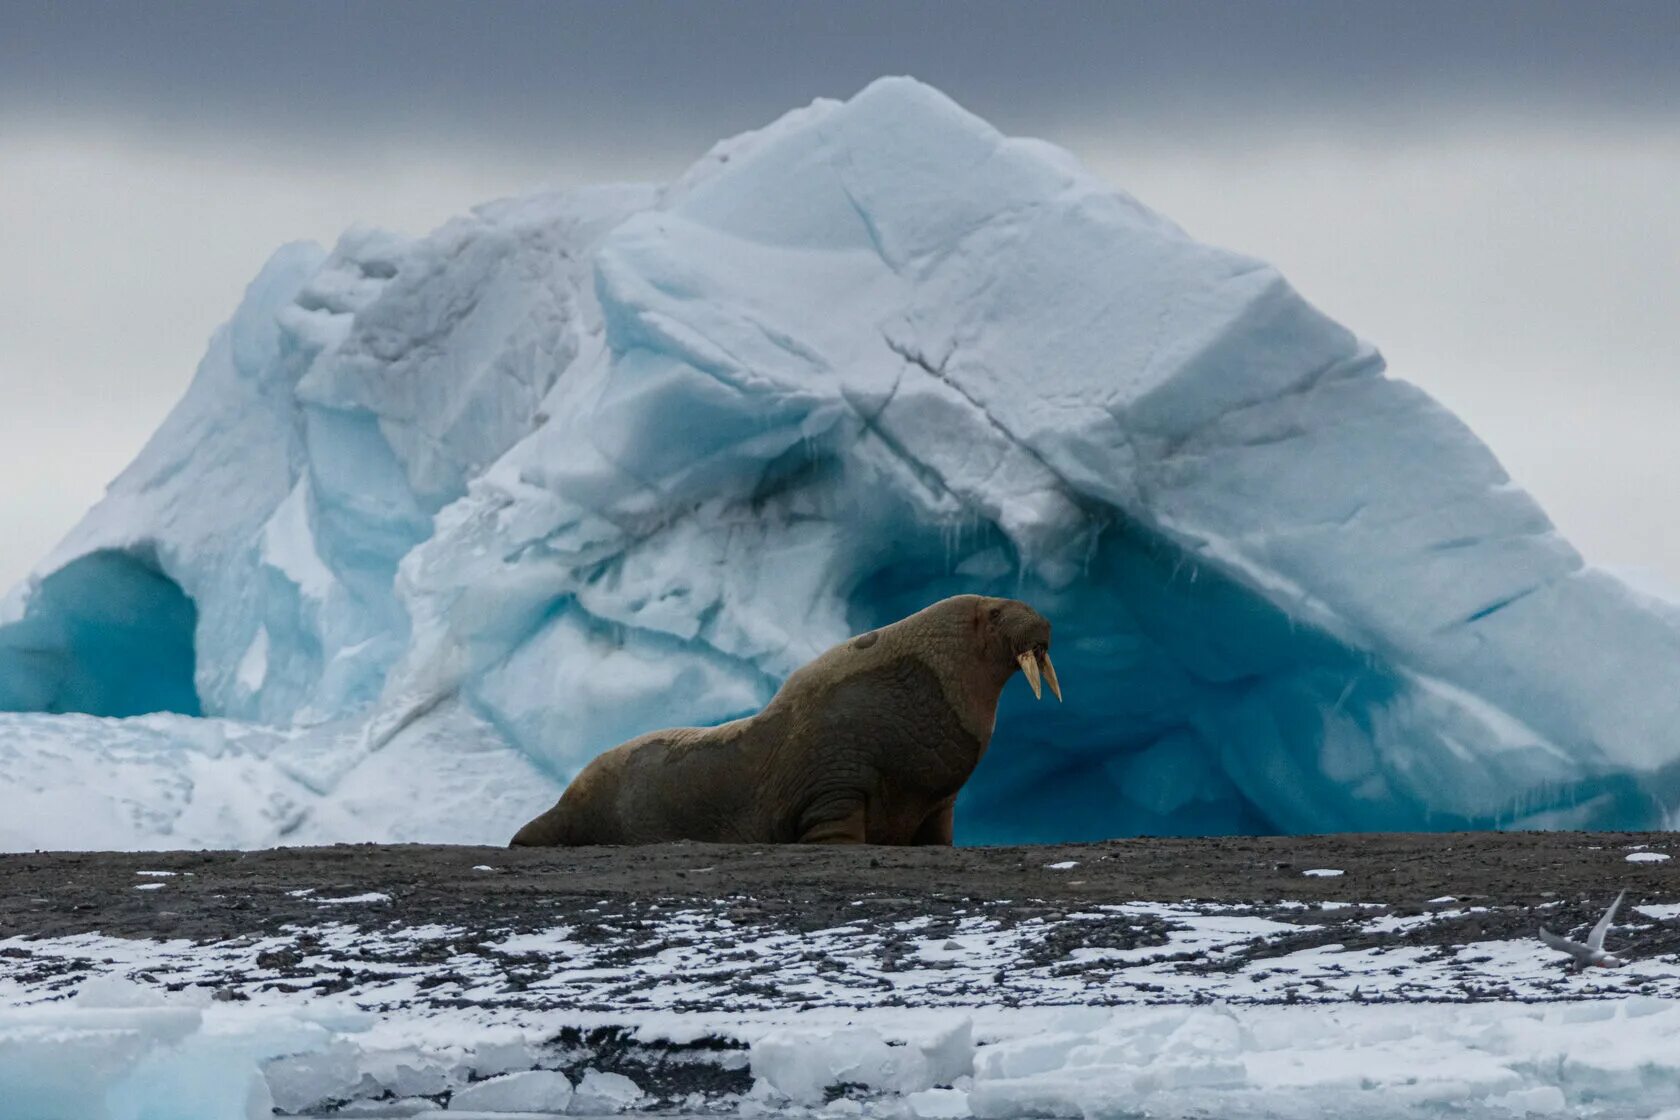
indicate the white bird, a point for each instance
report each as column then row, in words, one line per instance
column 1592, row 954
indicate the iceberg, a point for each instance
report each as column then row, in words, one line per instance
column 440, row 519
column 117, row 1051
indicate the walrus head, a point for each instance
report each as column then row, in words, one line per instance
column 1017, row 635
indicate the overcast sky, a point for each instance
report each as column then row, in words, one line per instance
column 1490, row 192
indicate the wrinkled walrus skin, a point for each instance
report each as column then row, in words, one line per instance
column 868, row 744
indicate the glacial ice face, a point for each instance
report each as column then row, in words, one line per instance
column 106, row 634
column 582, row 465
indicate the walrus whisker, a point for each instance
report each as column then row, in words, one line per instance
column 1029, row 666
column 1050, row 674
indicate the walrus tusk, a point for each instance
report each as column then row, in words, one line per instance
column 1029, row 666
column 1050, row 675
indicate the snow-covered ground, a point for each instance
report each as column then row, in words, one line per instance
column 1166, row 1009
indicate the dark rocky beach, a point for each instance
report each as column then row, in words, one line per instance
column 1501, row 878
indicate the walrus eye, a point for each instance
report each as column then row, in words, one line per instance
column 995, row 614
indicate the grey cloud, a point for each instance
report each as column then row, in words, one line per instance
column 645, row 73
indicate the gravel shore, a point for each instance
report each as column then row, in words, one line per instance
column 219, row 895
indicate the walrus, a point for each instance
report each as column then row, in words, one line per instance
column 868, row 744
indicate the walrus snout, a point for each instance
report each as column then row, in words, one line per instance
column 1023, row 636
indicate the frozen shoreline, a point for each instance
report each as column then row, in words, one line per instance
column 1035, row 980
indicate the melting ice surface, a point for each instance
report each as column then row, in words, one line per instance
column 440, row 519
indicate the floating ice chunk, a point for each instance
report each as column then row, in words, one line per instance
column 606, row 1092
column 496, row 1055
column 1026, row 1057
column 115, row 1054
column 938, row 1104
column 802, row 1064
column 536, row 1090
column 1064, row 865
column 409, row 1073
column 370, row 896
column 1409, row 1062
column 1323, row 872
column 316, row 1078
column 949, row 1050
column 1647, row 857
column 1541, row 1100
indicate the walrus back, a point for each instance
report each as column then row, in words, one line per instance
column 587, row 812
column 549, row 830
column 666, row 785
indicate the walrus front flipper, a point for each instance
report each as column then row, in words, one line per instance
column 937, row 828
column 835, row 824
